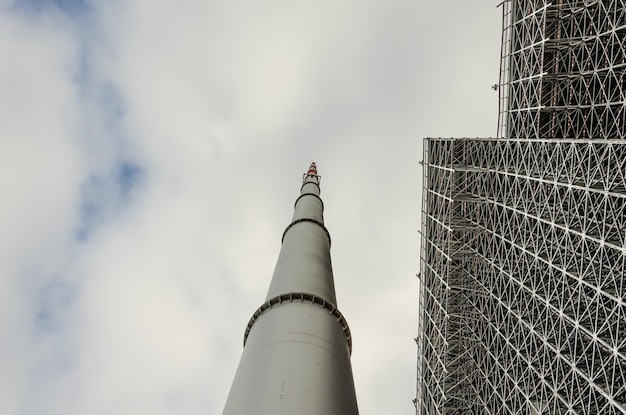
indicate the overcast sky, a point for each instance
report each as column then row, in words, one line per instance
column 150, row 155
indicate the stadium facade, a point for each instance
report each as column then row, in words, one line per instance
column 523, row 255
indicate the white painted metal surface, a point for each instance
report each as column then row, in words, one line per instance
column 296, row 358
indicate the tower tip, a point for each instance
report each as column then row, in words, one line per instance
column 312, row 169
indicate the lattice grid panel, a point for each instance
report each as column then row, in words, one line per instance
column 562, row 71
column 524, row 258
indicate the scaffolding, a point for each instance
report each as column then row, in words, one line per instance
column 562, row 69
column 523, row 246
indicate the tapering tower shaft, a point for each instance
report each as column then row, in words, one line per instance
column 296, row 357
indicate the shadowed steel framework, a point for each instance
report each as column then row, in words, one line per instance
column 523, row 254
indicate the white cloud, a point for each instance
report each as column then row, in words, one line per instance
column 40, row 171
column 150, row 156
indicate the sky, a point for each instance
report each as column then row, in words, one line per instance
column 150, row 156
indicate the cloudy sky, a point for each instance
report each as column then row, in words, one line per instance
column 150, row 155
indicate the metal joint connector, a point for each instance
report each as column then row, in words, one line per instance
column 291, row 297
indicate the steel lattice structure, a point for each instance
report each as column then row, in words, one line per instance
column 562, row 69
column 523, row 258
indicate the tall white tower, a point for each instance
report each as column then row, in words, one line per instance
column 296, row 357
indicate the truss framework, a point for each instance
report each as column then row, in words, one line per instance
column 523, row 258
column 562, row 69
column 523, row 262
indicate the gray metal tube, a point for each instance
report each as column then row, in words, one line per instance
column 296, row 358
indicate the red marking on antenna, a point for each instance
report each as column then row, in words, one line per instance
column 312, row 169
